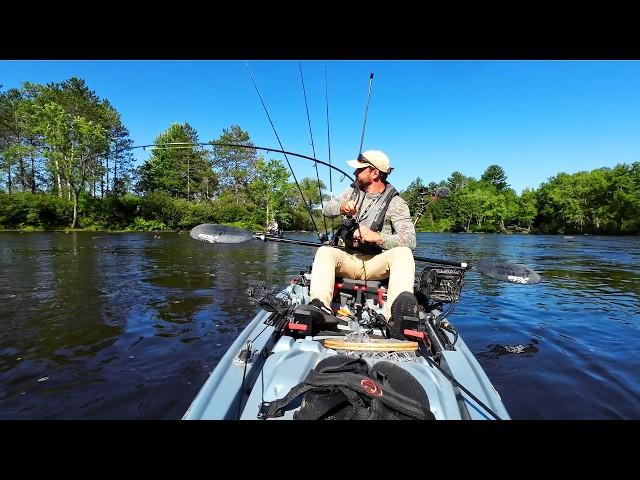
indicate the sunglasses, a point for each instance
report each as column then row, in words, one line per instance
column 363, row 159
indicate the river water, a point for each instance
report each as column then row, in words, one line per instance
column 128, row 326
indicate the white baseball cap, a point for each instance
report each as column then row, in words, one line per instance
column 372, row 158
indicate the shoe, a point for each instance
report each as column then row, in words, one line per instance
column 405, row 305
column 316, row 302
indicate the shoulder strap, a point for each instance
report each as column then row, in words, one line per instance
column 378, row 220
column 355, row 192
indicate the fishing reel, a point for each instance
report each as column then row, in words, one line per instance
column 344, row 234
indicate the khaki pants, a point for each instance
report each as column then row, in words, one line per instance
column 396, row 263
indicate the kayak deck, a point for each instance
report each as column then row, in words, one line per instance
column 263, row 364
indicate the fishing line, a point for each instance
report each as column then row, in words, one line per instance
column 326, row 97
column 313, row 147
column 304, row 200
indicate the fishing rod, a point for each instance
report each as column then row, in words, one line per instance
column 304, row 200
column 313, row 147
column 180, row 145
column 504, row 271
column 348, row 222
column 265, row 238
column 366, row 110
column 326, row 97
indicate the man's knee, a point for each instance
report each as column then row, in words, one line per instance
column 325, row 253
column 403, row 254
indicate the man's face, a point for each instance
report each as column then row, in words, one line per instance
column 363, row 176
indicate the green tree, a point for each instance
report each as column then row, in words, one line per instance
column 458, row 181
column 412, row 195
column 16, row 142
column 234, row 166
column 74, row 98
column 270, row 188
column 625, row 197
column 178, row 170
column 74, row 146
column 527, row 210
column 494, row 175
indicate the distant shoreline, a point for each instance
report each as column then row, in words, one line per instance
column 81, row 230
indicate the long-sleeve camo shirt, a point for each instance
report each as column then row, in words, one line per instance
column 397, row 228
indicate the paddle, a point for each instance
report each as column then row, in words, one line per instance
column 503, row 271
column 214, row 233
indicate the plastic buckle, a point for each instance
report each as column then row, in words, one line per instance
column 263, row 410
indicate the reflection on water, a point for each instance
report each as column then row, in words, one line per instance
column 120, row 326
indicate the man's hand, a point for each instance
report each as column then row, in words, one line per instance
column 348, row 208
column 366, row 235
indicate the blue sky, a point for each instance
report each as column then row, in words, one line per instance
column 534, row 118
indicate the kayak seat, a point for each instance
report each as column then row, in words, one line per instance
column 348, row 290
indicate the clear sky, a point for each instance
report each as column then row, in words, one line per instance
column 534, row 118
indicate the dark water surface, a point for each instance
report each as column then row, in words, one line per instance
column 128, row 326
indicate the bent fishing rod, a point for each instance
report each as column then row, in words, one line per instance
column 186, row 145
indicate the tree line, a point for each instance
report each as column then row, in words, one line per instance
column 66, row 162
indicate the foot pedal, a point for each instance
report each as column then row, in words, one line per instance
column 314, row 320
column 303, row 323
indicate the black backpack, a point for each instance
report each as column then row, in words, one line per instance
column 344, row 388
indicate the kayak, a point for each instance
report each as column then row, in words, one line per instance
column 280, row 350
column 269, row 235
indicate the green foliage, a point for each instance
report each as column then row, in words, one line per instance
column 412, row 195
column 65, row 158
column 195, row 213
column 601, row 201
column 458, row 181
column 245, row 225
column 235, row 167
column 182, row 171
column 112, row 212
column 495, row 175
column 37, row 211
column 441, row 225
column 141, row 225
column 233, row 213
column 270, row 190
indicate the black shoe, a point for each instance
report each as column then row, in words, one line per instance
column 405, row 305
column 316, row 302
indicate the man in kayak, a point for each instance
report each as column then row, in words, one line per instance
column 378, row 235
column 274, row 228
